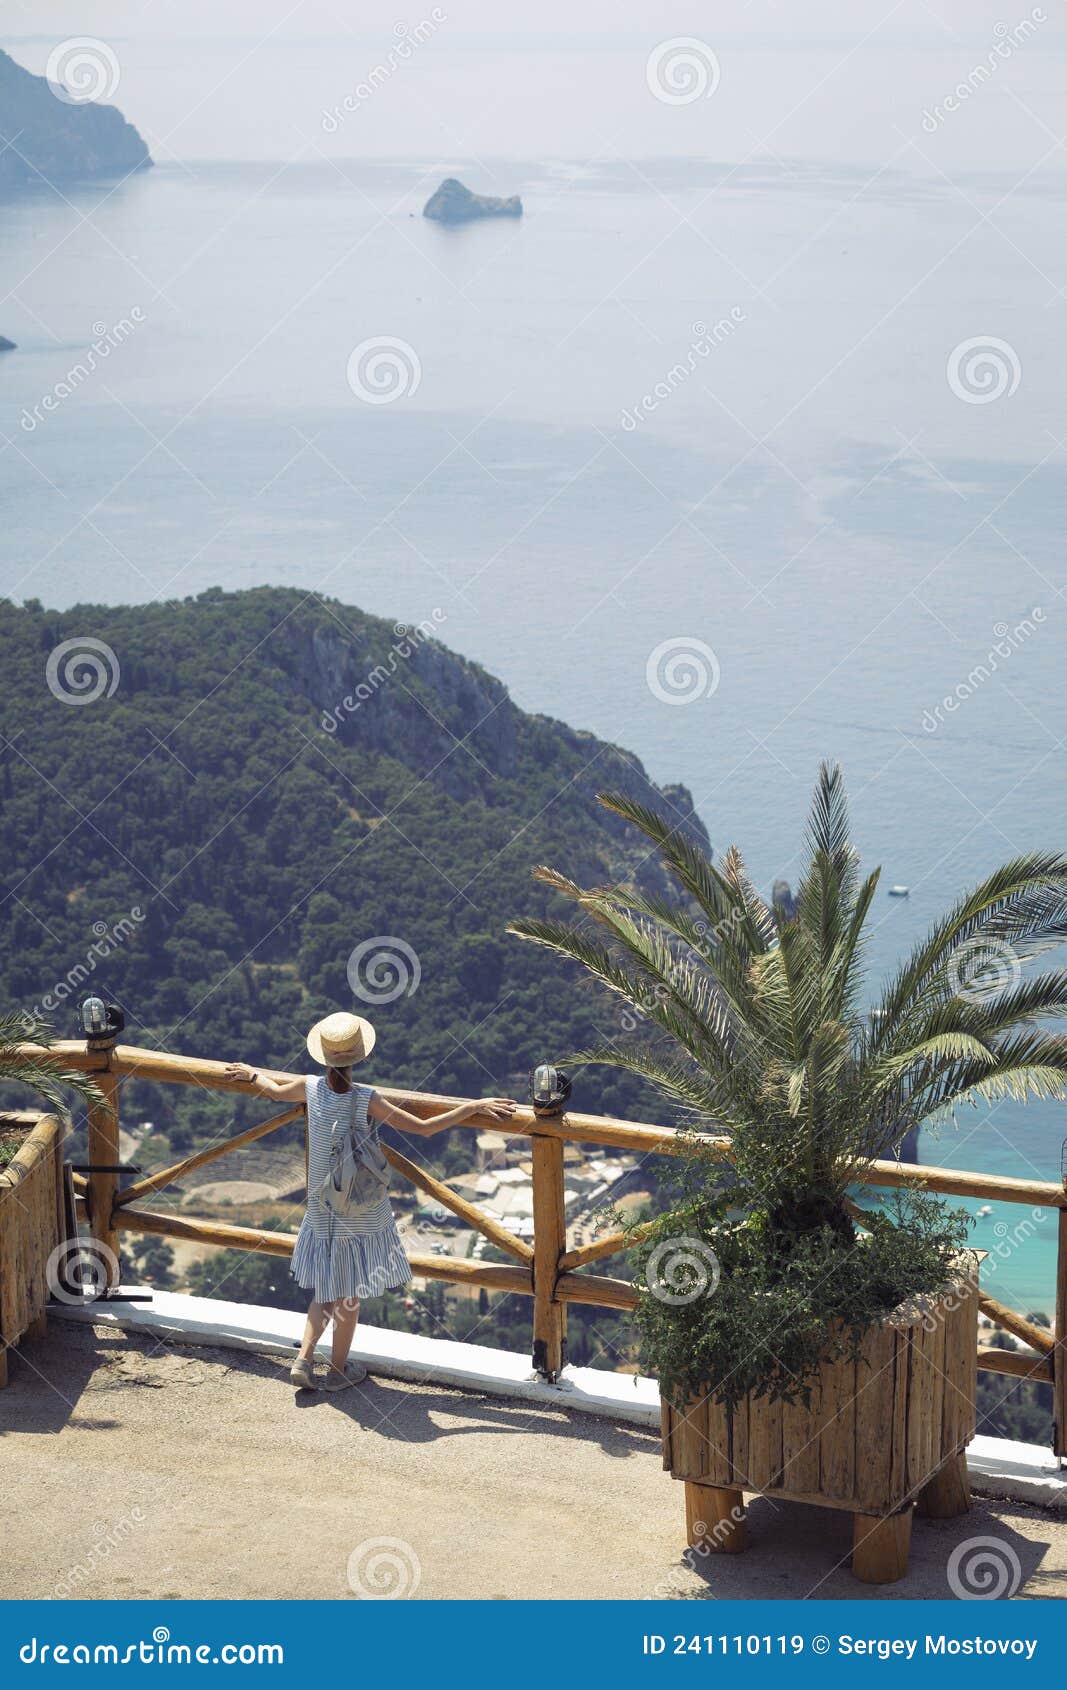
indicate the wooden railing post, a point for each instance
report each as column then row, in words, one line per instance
column 104, row 1153
column 550, row 1242
column 1059, row 1354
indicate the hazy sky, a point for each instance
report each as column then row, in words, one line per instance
column 838, row 80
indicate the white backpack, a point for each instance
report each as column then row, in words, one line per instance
column 359, row 1173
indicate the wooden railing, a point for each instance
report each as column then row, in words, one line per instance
column 548, row 1271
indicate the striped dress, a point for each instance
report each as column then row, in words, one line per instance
column 335, row 1258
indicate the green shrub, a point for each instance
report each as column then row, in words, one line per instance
column 734, row 1304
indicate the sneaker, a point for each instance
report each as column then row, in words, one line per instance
column 302, row 1375
column 354, row 1374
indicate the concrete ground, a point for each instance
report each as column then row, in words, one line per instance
column 130, row 1468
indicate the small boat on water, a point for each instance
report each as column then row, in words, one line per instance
column 899, row 891
column 986, row 1209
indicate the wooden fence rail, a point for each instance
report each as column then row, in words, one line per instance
column 549, row 1273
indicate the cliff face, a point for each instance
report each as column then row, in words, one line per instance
column 346, row 672
column 41, row 136
column 405, row 696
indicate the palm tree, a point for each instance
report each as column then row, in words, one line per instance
column 49, row 1079
column 764, row 1035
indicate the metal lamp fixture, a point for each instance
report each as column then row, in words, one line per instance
column 94, row 1017
column 101, row 1020
column 549, row 1089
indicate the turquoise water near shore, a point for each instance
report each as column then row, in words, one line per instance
column 810, row 500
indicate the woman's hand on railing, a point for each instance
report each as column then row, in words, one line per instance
column 291, row 1091
column 497, row 1108
column 500, row 1108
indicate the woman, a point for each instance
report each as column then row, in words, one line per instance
column 340, row 1257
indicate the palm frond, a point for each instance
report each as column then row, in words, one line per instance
column 736, row 875
column 828, row 831
column 667, row 1013
column 31, row 1067
column 843, row 990
column 760, row 1016
column 1022, row 903
column 1024, row 1065
column 690, row 866
column 681, row 1081
column 716, row 948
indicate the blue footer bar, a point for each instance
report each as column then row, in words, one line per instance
column 463, row 1645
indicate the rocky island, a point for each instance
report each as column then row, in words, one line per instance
column 5, row 344
column 453, row 203
column 46, row 139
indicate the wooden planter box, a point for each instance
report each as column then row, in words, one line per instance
column 30, row 1209
column 882, row 1434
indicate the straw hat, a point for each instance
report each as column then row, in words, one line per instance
column 340, row 1040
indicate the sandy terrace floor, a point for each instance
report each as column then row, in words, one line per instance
column 132, row 1469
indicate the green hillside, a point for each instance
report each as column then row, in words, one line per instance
column 251, row 786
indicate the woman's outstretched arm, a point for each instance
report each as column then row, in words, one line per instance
column 286, row 1091
column 500, row 1108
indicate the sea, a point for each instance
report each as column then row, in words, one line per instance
column 739, row 467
